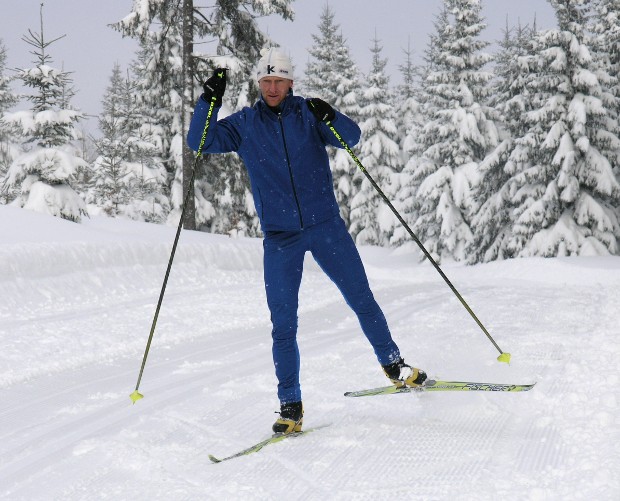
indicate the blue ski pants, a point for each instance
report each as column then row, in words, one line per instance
column 333, row 249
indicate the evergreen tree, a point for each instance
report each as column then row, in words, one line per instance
column 168, row 78
column 8, row 149
column 407, row 102
column 607, row 54
column 458, row 131
column 333, row 76
column 565, row 196
column 410, row 203
column 372, row 222
column 110, row 189
column 228, row 200
column 154, row 113
column 128, row 180
column 44, row 173
column 409, row 122
column 492, row 224
column 144, row 136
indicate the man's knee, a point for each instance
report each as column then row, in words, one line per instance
column 284, row 322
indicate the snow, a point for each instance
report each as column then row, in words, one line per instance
column 30, row 122
column 76, row 306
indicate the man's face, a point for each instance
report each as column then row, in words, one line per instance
column 274, row 89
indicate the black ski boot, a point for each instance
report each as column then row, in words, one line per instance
column 402, row 374
column 290, row 420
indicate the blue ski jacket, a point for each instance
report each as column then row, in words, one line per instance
column 285, row 155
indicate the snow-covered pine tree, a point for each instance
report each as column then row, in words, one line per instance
column 321, row 75
column 110, row 187
column 129, row 179
column 510, row 98
column 566, row 197
column 158, row 78
column 607, row 55
column 372, row 222
column 409, row 123
column 227, row 200
column 8, row 148
column 409, row 115
column 172, row 73
column 511, row 74
column 458, row 133
column 412, row 173
column 44, row 172
column 150, row 194
column 332, row 76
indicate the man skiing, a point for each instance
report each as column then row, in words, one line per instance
column 282, row 140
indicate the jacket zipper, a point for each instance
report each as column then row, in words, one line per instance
column 290, row 171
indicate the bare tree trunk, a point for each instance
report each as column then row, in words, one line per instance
column 189, row 222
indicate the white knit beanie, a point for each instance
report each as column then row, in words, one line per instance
column 274, row 63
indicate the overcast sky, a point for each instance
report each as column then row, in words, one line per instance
column 90, row 47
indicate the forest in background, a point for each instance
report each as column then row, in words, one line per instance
column 486, row 155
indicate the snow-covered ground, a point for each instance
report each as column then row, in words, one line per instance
column 76, row 305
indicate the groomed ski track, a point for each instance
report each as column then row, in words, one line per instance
column 75, row 313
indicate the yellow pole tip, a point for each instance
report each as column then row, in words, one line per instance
column 504, row 357
column 135, row 396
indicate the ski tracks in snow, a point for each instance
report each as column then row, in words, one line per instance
column 68, row 429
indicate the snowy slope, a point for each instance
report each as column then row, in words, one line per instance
column 76, row 305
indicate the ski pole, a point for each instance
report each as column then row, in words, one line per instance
column 135, row 396
column 503, row 357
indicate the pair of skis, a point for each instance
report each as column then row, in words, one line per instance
column 429, row 385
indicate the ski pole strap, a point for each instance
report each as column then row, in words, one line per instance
column 503, row 357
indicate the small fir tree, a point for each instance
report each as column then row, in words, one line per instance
column 372, row 222
column 128, row 178
column 43, row 174
column 332, row 76
column 411, row 205
column 409, row 123
column 8, row 147
column 110, row 184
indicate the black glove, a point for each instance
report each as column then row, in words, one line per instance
column 215, row 87
column 321, row 110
